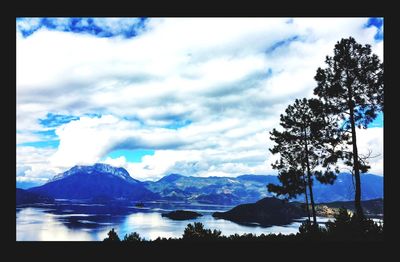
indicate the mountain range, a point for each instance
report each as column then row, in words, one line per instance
column 251, row 188
column 104, row 182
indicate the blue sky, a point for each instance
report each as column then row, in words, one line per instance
column 98, row 27
column 378, row 122
column 168, row 95
column 376, row 22
column 131, row 27
column 131, row 155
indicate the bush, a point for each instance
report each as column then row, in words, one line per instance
column 244, row 237
column 353, row 228
column 133, row 237
column 197, row 232
column 112, row 236
column 342, row 225
column 307, row 229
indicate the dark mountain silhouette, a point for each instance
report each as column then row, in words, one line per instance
column 26, row 197
column 99, row 181
column 265, row 212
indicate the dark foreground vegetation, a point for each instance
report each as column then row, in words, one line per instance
column 345, row 227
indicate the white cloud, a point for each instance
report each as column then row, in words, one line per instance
column 33, row 164
column 26, row 137
column 370, row 141
column 84, row 141
column 119, row 161
column 221, row 74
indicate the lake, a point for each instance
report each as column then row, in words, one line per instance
column 91, row 222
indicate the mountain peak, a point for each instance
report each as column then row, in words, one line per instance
column 170, row 178
column 96, row 168
column 99, row 182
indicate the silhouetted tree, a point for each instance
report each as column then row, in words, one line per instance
column 307, row 147
column 112, row 236
column 309, row 231
column 352, row 87
column 293, row 180
column 197, row 232
column 132, row 237
column 347, row 226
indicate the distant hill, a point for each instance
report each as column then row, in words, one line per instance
column 373, row 207
column 250, row 188
column 26, row 197
column 27, row 184
column 265, row 212
column 216, row 190
column 99, row 181
column 343, row 189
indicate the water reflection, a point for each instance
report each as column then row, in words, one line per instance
column 35, row 224
column 52, row 225
column 70, row 223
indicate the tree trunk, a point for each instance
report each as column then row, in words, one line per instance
column 305, row 194
column 310, row 182
column 308, row 207
column 311, row 198
column 357, row 198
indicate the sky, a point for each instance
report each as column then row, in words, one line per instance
column 194, row 96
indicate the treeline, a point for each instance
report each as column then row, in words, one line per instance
column 318, row 134
column 341, row 229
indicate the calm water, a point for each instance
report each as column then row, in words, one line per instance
column 82, row 222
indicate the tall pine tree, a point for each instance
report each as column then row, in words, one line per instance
column 352, row 87
column 307, row 147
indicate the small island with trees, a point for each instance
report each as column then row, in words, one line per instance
column 181, row 215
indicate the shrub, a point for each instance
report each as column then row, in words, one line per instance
column 133, row 237
column 353, row 228
column 197, row 232
column 307, row 229
column 112, row 236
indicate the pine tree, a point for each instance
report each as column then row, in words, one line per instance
column 132, row 237
column 112, row 236
column 307, row 147
column 352, row 88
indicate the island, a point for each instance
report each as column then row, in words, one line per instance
column 181, row 215
column 139, row 204
column 265, row 212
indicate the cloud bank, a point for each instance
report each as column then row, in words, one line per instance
column 203, row 93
